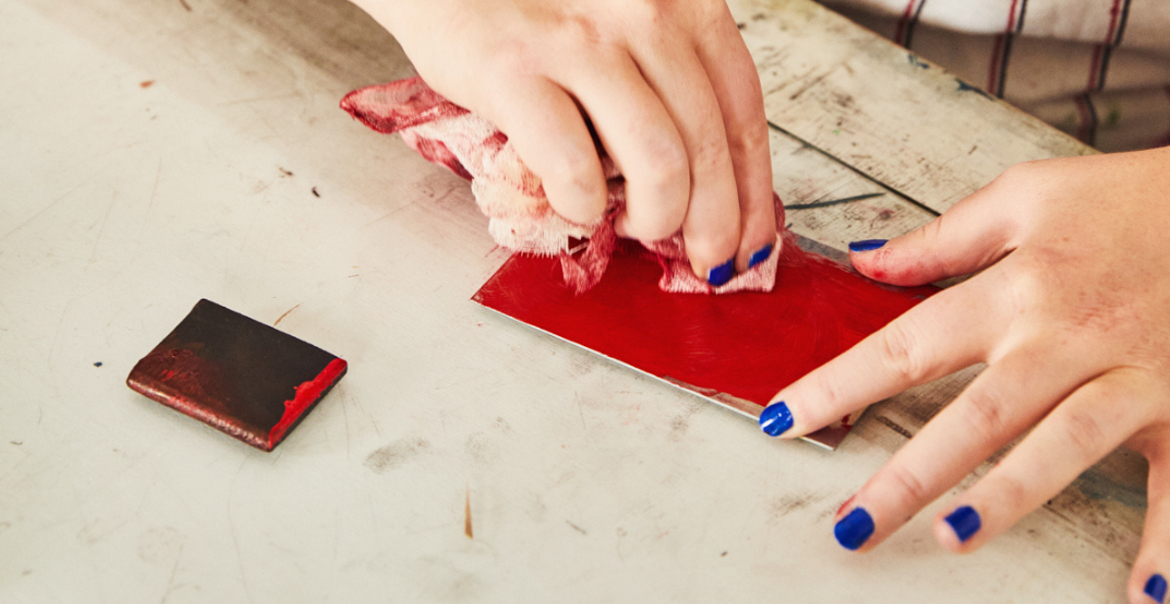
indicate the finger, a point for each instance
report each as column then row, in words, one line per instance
column 1010, row 395
column 548, row 132
column 1147, row 582
column 741, row 100
column 948, row 331
column 1095, row 419
column 711, row 229
column 973, row 234
column 639, row 135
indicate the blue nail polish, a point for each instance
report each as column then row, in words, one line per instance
column 776, row 419
column 761, row 255
column 721, row 274
column 867, row 245
column 965, row 522
column 1156, row 588
column 854, row 529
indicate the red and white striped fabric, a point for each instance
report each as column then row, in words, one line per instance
column 1096, row 69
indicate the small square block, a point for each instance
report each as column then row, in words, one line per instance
column 237, row 375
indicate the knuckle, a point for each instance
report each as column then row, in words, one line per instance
column 1025, row 287
column 898, row 352
column 579, row 32
column 651, row 11
column 573, row 170
column 511, row 57
column 576, row 177
column 1012, row 493
column 1083, row 432
column 749, row 139
column 986, row 410
column 668, row 166
column 657, row 200
column 711, row 154
column 910, row 489
column 829, row 395
column 1016, row 173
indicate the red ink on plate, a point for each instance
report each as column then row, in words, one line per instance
column 737, row 349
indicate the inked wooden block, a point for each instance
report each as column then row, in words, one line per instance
column 237, row 375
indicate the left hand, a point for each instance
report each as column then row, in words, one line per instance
column 668, row 88
column 1071, row 313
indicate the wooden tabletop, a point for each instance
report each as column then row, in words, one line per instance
column 155, row 152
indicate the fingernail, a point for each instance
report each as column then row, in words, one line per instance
column 761, row 255
column 721, row 274
column 854, row 529
column 1156, row 588
column 867, row 245
column 965, row 522
column 775, row 419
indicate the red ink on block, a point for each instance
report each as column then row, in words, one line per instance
column 747, row 345
column 237, row 375
column 308, row 394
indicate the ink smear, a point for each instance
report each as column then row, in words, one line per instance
column 237, row 375
column 737, row 350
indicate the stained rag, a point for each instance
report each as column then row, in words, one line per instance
column 512, row 197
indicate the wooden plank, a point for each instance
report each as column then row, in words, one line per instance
column 827, row 201
column 886, row 112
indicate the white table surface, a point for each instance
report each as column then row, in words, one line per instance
column 122, row 204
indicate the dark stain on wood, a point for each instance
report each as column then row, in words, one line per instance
column 889, row 423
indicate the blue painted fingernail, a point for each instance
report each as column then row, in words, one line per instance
column 721, row 274
column 867, row 245
column 965, row 522
column 1156, row 588
column 761, row 255
column 776, row 419
column 854, row 529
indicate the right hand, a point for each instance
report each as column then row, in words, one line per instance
column 668, row 86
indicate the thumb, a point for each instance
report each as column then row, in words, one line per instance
column 972, row 235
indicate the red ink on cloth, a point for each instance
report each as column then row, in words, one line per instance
column 512, row 197
column 748, row 346
column 237, row 375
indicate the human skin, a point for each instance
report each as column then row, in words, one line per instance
column 667, row 85
column 1069, row 309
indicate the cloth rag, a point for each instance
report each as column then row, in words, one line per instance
column 511, row 195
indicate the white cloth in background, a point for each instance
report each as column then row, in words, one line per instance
column 1096, row 69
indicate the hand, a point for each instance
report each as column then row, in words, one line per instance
column 1072, row 315
column 668, row 87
